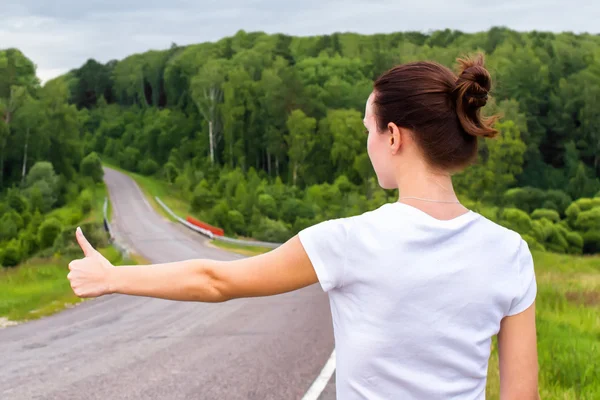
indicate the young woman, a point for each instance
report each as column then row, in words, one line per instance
column 417, row 287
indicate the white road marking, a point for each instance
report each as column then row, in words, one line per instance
column 319, row 384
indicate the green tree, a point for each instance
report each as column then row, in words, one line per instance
column 299, row 140
column 91, row 166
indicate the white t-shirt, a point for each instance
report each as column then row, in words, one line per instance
column 415, row 300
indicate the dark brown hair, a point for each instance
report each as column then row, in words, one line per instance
column 441, row 108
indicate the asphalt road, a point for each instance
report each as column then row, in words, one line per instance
column 124, row 347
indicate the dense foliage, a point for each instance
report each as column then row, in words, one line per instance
column 43, row 173
column 262, row 134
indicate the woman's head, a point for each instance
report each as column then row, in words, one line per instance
column 422, row 112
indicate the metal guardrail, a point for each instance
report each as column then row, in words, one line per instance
column 123, row 250
column 211, row 235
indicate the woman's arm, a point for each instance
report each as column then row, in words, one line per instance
column 282, row 270
column 517, row 350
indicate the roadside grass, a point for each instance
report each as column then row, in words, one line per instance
column 240, row 249
column 568, row 326
column 39, row 287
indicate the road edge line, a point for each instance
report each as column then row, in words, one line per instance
column 320, row 383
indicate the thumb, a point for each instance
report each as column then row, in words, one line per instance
column 87, row 248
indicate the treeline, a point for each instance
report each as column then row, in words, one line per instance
column 246, row 87
column 263, row 134
column 47, row 185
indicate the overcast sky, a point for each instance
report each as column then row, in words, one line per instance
column 59, row 35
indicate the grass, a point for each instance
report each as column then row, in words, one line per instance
column 240, row 249
column 39, row 287
column 568, row 324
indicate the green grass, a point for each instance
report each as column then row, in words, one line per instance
column 568, row 324
column 240, row 249
column 152, row 187
column 39, row 287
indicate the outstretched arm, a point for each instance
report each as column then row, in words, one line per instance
column 282, row 270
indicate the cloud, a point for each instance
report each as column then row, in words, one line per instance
column 62, row 34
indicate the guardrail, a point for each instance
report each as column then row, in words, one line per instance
column 123, row 250
column 210, row 235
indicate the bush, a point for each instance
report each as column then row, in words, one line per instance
column 575, row 242
column 588, row 220
column 572, row 212
column 236, row 222
column 533, row 243
column 586, row 204
column 267, row 205
column 11, row 255
column 591, row 242
column 128, row 159
column 293, row 208
column 517, row 220
column 272, row 231
column 86, row 201
column 66, row 243
column 529, row 198
column 91, row 166
column 28, row 243
column 16, row 201
column 10, row 224
column 149, row 167
column 48, row 232
column 550, row 215
column 203, row 198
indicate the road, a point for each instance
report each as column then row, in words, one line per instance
column 123, row 347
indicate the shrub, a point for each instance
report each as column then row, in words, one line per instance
column 591, row 242
column 148, row 167
column 272, row 231
column 588, row 220
column 551, row 215
column 28, row 243
column 48, row 232
column 91, row 166
column 16, row 201
column 203, row 198
column 533, row 243
column 267, row 205
column 586, row 204
column 236, row 222
column 572, row 212
column 66, row 243
column 11, row 255
column 575, row 242
column 517, row 220
column 10, row 224
column 86, row 201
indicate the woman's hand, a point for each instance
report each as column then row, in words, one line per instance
column 90, row 276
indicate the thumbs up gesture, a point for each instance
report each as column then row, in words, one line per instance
column 89, row 276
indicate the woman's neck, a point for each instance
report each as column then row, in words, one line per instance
column 426, row 184
column 430, row 192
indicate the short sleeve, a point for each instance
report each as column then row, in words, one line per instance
column 325, row 245
column 527, row 287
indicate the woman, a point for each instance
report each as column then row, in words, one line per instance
column 417, row 287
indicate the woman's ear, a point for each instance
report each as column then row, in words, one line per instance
column 394, row 137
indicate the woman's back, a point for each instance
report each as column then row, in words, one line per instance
column 415, row 300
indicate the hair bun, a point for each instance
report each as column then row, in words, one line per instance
column 470, row 93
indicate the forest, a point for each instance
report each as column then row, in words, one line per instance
column 262, row 134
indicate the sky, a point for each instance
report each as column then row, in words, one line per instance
column 60, row 35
